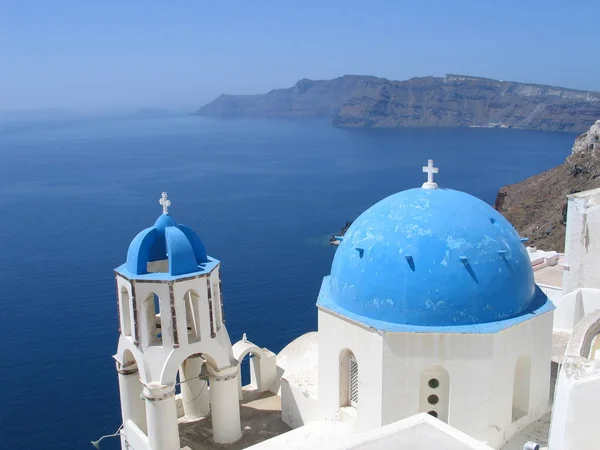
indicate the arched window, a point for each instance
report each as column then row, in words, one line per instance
column 348, row 379
column 125, row 312
column 192, row 304
column 153, row 319
column 521, row 387
column 434, row 395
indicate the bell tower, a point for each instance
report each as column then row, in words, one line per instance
column 172, row 332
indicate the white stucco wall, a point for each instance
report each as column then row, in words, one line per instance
column 297, row 407
column 582, row 242
column 480, row 369
column 575, row 305
column 576, row 413
column 297, row 368
column 532, row 339
column 335, row 336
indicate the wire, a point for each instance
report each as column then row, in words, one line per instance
column 115, row 434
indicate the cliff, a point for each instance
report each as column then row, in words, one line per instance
column 455, row 100
column 537, row 207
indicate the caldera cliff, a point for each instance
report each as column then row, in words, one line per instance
column 537, row 207
column 453, row 100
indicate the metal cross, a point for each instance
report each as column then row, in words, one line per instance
column 165, row 202
column 430, row 170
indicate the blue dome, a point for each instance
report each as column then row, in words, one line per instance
column 432, row 257
column 166, row 240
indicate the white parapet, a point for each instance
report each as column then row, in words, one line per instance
column 575, row 414
column 263, row 366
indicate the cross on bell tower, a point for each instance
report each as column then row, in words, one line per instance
column 165, row 202
column 430, row 170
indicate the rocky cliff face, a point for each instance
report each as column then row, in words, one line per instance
column 537, row 207
column 455, row 100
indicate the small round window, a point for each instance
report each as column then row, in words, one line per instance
column 432, row 413
column 433, row 383
column 433, row 399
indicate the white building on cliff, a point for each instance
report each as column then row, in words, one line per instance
column 432, row 333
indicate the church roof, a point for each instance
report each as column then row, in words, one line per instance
column 430, row 257
column 166, row 240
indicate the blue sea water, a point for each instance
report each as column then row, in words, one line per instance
column 263, row 195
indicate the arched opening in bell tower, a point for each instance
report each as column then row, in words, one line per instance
column 131, row 393
column 151, row 307
column 193, row 380
column 125, row 311
column 192, row 315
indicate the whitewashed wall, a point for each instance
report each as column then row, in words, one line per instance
column 576, row 414
column 582, row 242
column 480, row 369
column 335, row 336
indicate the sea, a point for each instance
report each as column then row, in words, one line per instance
column 264, row 195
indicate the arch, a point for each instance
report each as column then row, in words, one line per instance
column 125, row 304
column 128, row 359
column 193, row 378
column 241, row 350
column 133, row 406
column 126, row 349
column 349, row 379
column 434, row 392
column 521, row 388
column 152, row 319
column 191, row 300
column 213, row 355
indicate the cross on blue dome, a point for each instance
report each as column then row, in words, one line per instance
column 430, row 257
column 177, row 245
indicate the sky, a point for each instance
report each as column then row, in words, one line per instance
column 181, row 54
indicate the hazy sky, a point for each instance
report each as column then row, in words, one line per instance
column 181, row 54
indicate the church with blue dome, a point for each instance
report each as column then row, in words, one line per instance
column 427, row 258
column 430, row 310
column 431, row 306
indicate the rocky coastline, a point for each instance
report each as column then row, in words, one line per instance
column 537, row 206
column 450, row 101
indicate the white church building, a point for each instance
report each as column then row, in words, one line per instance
column 432, row 333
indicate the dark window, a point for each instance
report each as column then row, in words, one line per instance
column 433, row 383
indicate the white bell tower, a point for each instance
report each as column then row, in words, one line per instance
column 171, row 326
